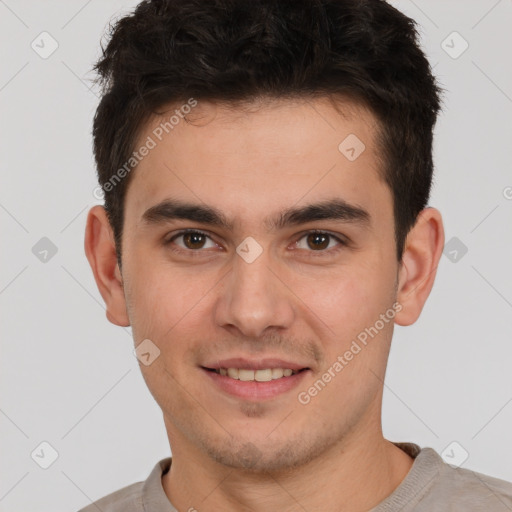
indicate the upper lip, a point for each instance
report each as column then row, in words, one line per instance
column 254, row 364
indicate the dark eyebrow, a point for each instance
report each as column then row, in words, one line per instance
column 333, row 209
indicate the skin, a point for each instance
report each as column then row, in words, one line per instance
column 294, row 302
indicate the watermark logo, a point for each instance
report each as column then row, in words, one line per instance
column 351, row 147
column 455, row 249
column 249, row 250
column 454, row 45
column 146, row 352
column 455, row 454
column 44, row 45
column 44, row 455
column 44, row 250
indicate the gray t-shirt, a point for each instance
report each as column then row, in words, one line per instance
column 430, row 485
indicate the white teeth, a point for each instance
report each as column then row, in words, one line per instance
column 233, row 373
column 245, row 374
column 277, row 373
column 265, row 375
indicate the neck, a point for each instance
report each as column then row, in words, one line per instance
column 354, row 477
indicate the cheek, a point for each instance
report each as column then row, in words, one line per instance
column 349, row 299
column 163, row 299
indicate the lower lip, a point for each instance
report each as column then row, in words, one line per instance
column 254, row 390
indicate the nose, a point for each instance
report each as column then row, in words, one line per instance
column 254, row 297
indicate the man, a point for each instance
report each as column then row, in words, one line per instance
column 266, row 166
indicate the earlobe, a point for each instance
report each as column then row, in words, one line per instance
column 423, row 250
column 100, row 251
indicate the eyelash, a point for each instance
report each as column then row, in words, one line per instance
column 195, row 253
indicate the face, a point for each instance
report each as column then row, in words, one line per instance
column 285, row 260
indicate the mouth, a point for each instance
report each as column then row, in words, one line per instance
column 261, row 375
column 254, row 384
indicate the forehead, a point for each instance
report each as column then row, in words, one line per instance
column 258, row 156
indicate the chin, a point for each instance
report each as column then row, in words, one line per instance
column 265, row 457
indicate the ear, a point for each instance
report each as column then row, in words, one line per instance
column 423, row 250
column 100, row 251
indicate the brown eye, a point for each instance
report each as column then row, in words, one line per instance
column 318, row 241
column 194, row 240
column 191, row 241
column 321, row 242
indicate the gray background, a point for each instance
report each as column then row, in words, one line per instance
column 69, row 378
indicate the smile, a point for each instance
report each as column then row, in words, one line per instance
column 247, row 375
column 261, row 384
